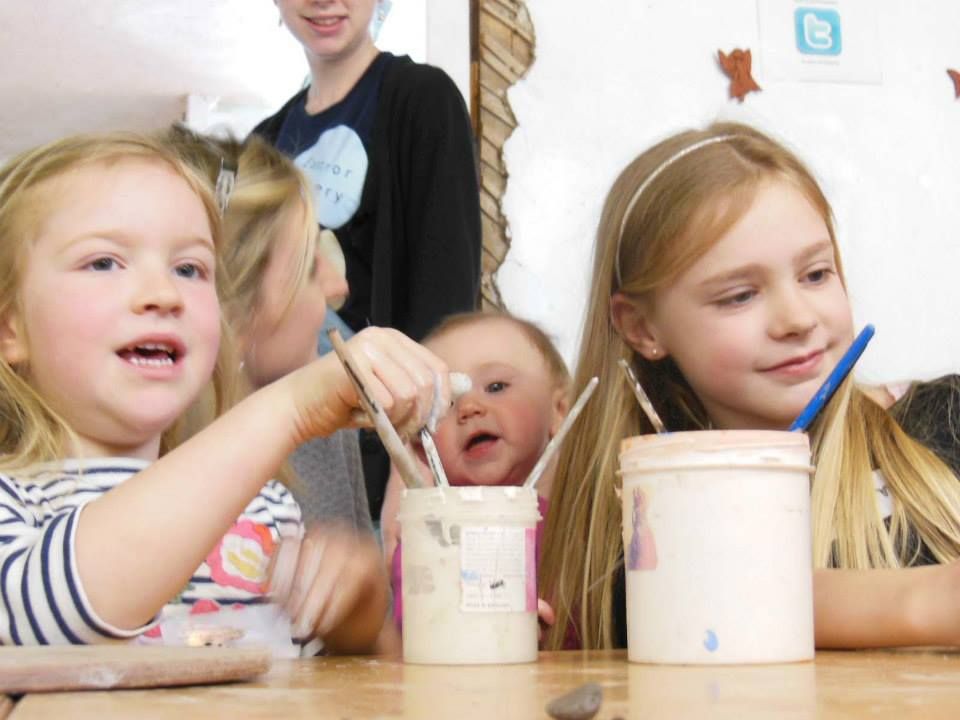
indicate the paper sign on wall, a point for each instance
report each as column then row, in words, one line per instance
column 819, row 40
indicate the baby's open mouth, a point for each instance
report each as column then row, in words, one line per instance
column 480, row 439
column 150, row 354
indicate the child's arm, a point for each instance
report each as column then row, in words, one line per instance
column 887, row 608
column 137, row 545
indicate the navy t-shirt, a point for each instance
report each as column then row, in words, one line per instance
column 332, row 147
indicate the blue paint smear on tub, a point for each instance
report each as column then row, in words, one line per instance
column 710, row 642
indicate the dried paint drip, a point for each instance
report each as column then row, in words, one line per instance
column 955, row 76
column 581, row 703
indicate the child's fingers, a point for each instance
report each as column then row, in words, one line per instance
column 434, row 389
column 545, row 617
column 545, row 613
column 315, row 600
column 402, row 387
column 325, row 608
column 283, row 569
column 426, row 356
column 428, row 378
column 357, row 580
column 404, row 377
column 349, row 565
column 456, row 382
column 399, row 375
column 309, row 563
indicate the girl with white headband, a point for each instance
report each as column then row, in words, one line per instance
column 717, row 276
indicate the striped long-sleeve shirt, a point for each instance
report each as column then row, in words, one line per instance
column 42, row 600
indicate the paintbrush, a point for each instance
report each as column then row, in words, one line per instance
column 642, row 397
column 555, row 441
column 433, row 458
column 833, row 381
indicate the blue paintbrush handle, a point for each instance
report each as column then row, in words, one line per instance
column 837, row 376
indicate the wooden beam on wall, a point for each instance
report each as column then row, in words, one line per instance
column 502, row 44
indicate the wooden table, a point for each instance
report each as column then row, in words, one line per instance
column 837, row 685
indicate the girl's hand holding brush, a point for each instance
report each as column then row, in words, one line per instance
column 386, row 370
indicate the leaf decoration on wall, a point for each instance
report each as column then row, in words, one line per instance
column 737, row 67
column 955, row 76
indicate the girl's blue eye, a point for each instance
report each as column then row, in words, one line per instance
column 741, row 298
column 495, row 387
column 818, row 276
column 190, row 271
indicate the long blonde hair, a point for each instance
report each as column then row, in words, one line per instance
column 31, row 431
column 268, row 188
column 691, row 201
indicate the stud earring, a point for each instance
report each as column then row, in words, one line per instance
column 251, row 353
column 654, row 352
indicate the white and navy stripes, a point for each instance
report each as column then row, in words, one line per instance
column 41, row 598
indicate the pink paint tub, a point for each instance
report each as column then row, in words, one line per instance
column 717, row 547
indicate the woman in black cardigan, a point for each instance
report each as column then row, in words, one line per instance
column 388, row 146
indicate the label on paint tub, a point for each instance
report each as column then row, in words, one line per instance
column 497, row 569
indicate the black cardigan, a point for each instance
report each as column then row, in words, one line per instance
column 418, row 224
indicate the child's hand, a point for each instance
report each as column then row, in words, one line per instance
column 333, row 585
column 402, row 377
column 546, row 617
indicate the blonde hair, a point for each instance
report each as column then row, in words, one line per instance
column 654, row 236
column 30, row 430
column 268, row 188
column 559, row 375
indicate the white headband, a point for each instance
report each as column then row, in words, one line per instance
column 650, row 178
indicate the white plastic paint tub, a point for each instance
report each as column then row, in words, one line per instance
column 717, row 547
column 469, row 575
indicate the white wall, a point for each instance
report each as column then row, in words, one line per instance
column 131, row 64
column 887, row 156
column 432, row 31
column 448, row 40
column 405, row 32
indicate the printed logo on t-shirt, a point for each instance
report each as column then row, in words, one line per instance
column 336, row 166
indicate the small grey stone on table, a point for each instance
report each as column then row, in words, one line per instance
column 582, row 703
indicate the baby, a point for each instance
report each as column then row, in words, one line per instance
column 497, row 431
